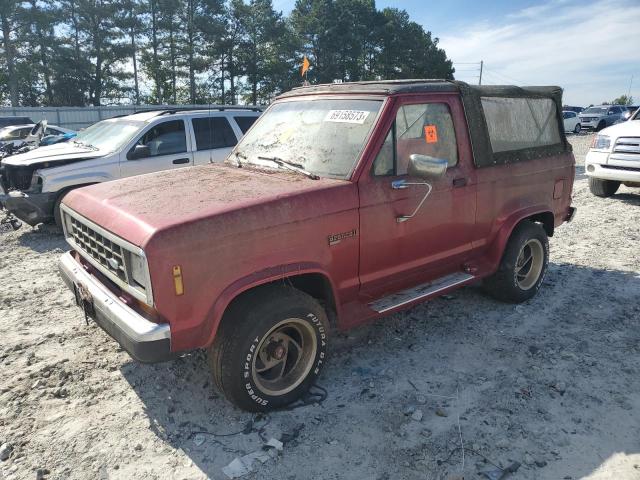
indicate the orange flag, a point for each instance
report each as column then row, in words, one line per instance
column 305, row 66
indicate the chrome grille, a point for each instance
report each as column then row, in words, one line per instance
column 122, row 262
column 107, row 253
column 627, row 145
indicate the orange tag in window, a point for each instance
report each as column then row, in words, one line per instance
column 430, row 134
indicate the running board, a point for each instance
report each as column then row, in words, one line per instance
column 404, row 297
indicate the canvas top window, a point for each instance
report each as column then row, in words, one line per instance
column 521, row 123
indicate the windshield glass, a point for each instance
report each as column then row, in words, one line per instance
column 109, row 135
column 598, row 110
column 324, row 137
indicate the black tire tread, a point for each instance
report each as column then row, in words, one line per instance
column 603, row 188
column 500, row 284
column 235, row 326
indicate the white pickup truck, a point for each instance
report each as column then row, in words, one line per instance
column 36, row 182
column 614, row 158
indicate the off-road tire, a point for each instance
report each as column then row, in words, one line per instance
column 57, row 215
column 603, row 188
column 505, row 284
column 236, row 351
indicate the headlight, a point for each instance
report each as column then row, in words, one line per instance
column 601, row 142
column 138, row 269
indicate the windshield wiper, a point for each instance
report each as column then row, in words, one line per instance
column 296, row 167
column 86, row 145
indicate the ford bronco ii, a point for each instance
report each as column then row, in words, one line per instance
column 342, row 203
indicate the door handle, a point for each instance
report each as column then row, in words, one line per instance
column 459, row 182
column 178, row 161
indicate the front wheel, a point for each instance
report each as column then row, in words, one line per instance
column 601, row 125
column 523, row 265
column 577, row 128
column 603, row 188
column 269, row 349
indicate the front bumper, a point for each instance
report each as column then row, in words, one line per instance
column 612, row 166
column 145, row 341
column 31, row 208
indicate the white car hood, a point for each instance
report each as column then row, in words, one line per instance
column 60, row 152
column 630, row 128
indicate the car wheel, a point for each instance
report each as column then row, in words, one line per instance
column 523, row 265
column 270, row 348
column 602, row 124
column 603, row 188
column 577, row 128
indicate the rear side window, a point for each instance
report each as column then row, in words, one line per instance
column 521, row 123
column 245, row 122
column 213, row 132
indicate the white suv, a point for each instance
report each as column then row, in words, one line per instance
column 614, row 158
column 35, row 182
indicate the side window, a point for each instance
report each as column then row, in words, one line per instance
column 166, row 138
column 24, row 133
column 213, row 132
column 245, row 122
column 424, row 129
column 383, row 164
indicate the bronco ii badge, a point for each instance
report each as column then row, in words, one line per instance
column 338, row 237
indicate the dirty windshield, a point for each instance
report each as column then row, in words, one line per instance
column 324, row 137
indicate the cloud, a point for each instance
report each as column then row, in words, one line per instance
column 591, row 49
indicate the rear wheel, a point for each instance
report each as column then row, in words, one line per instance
column 523, row 265
column 577, row 128
column 603, row 188
column 269, row 349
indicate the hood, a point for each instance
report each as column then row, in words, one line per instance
column 61, row 152
column 228, row 199
column 630, row 128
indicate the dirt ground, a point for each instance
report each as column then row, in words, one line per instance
column 451, row 388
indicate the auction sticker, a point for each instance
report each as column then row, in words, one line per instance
column 431, row 134
column 346, row 116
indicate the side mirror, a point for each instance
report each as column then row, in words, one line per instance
column 609, row 113
column 139, row 151
column 424, row 166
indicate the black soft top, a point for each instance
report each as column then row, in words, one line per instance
column 472, row 100
column 392, row 87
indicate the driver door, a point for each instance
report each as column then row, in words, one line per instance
column 162, row 147
column 436, row 241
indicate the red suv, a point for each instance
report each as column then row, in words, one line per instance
column 342, row 204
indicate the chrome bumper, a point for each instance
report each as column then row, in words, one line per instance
column 145, row 341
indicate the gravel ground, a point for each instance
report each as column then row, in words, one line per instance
column 451, row 388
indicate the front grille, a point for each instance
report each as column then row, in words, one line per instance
column 17, row 177
column 101, row 249
column 122, row 262
column 627, row 145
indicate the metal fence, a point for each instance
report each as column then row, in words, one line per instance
column 76, row 118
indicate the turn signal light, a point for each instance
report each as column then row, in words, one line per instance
column 177, row 280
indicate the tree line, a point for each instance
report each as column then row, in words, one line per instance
column 92, row 52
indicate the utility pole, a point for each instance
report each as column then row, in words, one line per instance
column 481, row 65
column 630, row 83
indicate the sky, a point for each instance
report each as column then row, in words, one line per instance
column 589, row 48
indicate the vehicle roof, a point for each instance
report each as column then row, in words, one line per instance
column 30, row 125
column 149, row 115
column 391, row 87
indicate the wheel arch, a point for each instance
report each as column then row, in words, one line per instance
column 313, row 281
column 542, row 215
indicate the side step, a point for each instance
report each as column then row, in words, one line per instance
column 404, row 297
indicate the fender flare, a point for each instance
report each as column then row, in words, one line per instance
column 254, row 280
column 499, row 243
